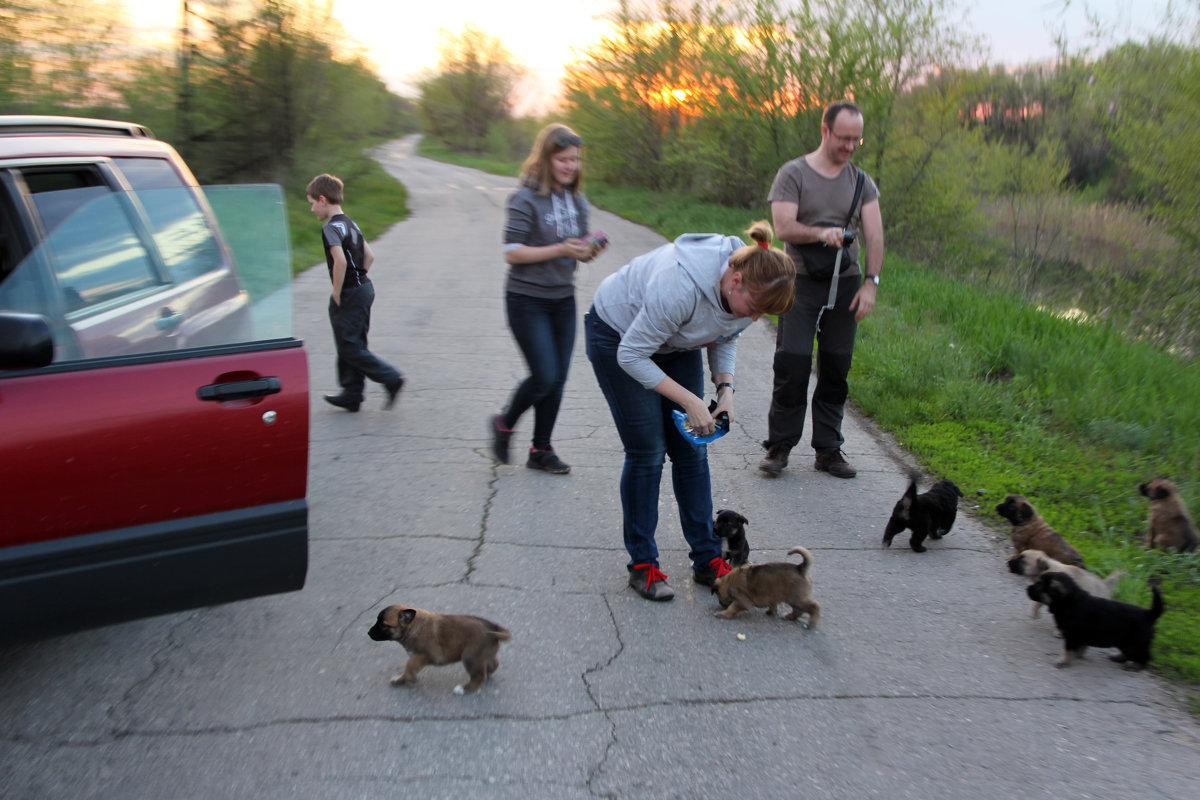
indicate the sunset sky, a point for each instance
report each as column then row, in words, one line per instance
column 401, row 36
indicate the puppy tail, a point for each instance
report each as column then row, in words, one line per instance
column 1156, row 609
column 803, row 567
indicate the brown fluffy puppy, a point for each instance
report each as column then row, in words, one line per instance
column 1170, row 524
column 1032, row 563
column 437, row 639
column 768, row 585
column 1031, row 532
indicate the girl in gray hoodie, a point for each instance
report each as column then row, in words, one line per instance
column 644, row 333
column 543, row 241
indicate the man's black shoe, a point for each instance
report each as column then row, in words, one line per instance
column 392, row 391
column 342, row 401
column 834, row 462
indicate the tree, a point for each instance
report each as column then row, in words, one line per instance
column 471, row 91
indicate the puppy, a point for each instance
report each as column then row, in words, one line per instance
column 1170, row 524
column 930, row 514
column 438, row 639
column 1032, row 563
column 1087, row 621
column 1031, row 532
column 768, row 585
column 730, row 527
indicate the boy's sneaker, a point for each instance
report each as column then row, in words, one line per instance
column 775, row 460
column 547, row 461
column 344, row 401
column 393, row 390
column 716, row 568
column 834, row 462
column 500, row 438
column 650, row 582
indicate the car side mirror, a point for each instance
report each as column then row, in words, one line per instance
column 26, row 341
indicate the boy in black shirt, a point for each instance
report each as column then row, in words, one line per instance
column 348, row 257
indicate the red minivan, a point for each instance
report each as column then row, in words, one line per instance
column 153, row 402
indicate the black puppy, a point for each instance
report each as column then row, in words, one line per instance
column 730, row 527
column 1086, row 621
column 930, row 514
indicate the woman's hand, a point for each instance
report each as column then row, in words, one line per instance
column 699, row 418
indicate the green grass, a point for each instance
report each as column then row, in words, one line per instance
column 1005, row 399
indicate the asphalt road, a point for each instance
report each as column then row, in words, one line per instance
column 927, row 678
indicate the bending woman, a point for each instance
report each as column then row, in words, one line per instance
column 644, row 333
column 547, row 218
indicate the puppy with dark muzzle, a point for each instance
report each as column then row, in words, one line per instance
column 730, row 528
column 437, row 639
column 768, row 585
column 1033, row 563
column 1170, row 524
column 1031, row 532
column 930, row 514
column 1086, row 621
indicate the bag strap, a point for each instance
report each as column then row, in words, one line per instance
column 857, row 194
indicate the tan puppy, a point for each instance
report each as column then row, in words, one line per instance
column 768, row 585
column 1032, row 563
column 1170, row 524
column 438, row 639
column 1031, row 532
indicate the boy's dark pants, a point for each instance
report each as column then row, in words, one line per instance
column 351, row 321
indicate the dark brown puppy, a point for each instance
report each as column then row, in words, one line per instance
column 1031, row 532
column 768, row 585
column 1032, row 563
column 1087, row 621
column 929, row 514
column 730, row 528
column 437, row 639
column 1170, row 523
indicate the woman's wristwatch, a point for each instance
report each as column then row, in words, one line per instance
column 723, row 384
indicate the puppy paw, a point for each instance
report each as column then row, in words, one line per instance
column 398, row 680
column 1062, row 663
column 459, row 690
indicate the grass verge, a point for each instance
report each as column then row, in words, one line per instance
column 1005, row 399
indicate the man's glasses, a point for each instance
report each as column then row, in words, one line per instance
column 849, row 141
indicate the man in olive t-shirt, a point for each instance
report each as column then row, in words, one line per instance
column 810, row 202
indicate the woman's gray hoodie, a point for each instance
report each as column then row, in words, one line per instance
column 536, row 220
column 670, row 300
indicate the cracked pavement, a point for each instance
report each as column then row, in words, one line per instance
column 926, row 679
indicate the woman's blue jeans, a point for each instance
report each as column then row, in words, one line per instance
column 545, row 332
column 643, row 420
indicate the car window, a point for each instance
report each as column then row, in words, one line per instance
column 253, row 219
column 98, row 257
column 176, row 220
column 94, row 276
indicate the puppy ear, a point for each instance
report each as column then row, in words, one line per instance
column 1160, row 493
column 408, row 615
column 1041, row 565
column 1025, row 512
column 743, row 520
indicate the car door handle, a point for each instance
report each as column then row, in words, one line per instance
column 240, row 390
column 168, row 320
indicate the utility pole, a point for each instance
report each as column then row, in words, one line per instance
column 185, row 86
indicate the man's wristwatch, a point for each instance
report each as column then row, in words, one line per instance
column 872, row 278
